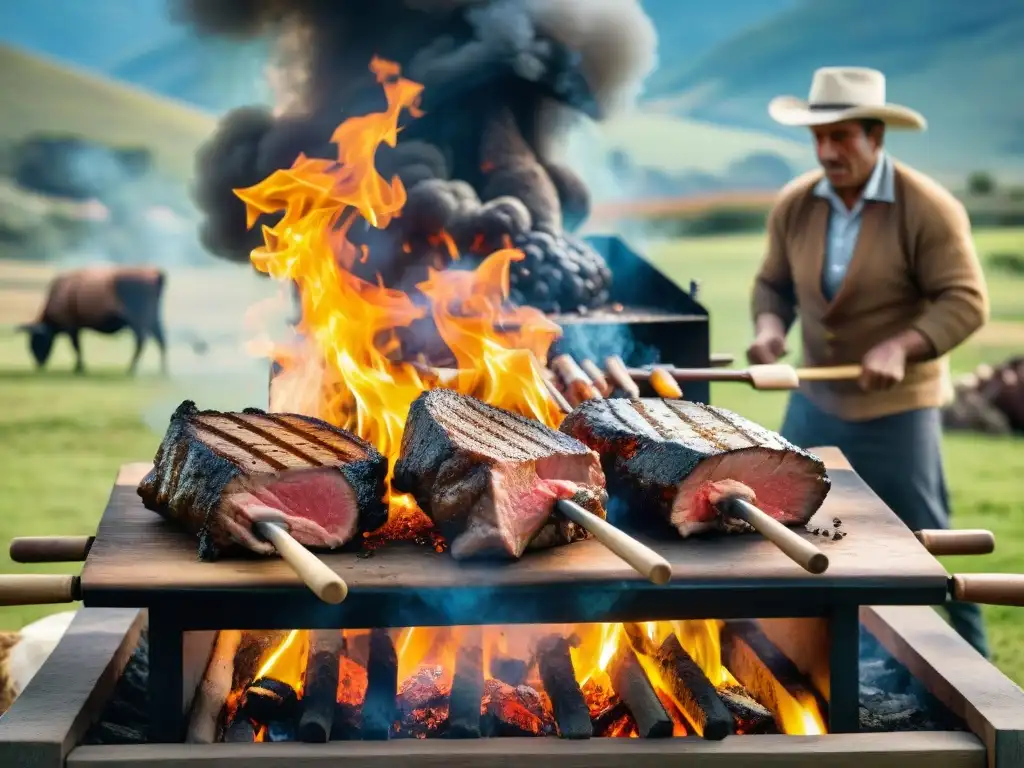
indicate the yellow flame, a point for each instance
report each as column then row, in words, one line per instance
column 345, row 371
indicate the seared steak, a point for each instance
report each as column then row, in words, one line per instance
column 489, row 479
column 682, row 457
column 213, row 468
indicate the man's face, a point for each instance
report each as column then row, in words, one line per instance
column 846, row 152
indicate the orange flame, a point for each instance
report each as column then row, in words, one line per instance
column 427, row 664
column 344, row 371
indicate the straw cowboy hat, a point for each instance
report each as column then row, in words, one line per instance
column 844, row 93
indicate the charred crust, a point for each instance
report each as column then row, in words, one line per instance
column 367, row 481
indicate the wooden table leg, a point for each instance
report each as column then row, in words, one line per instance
column 844, row 670
column 166, row 667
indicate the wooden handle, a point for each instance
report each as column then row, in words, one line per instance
column 619, row 375
column 988, row 588
column 38, row 589
column 829, row 373
column 776, row 376
column 642, row 558
column 721, row 359
column 325, row 583
column 792, row 544
column 50, row 549
column 953, row 542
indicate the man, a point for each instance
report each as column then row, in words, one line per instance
column 878, row 261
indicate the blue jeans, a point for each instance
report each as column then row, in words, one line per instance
column 900, row 458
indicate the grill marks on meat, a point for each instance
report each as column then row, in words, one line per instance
column 489, row 479
column 681, row 457
column 213, row 469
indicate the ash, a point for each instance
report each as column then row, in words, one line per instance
column 892, row 699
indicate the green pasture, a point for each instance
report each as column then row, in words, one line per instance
column 62, row 437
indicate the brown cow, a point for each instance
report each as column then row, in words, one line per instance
column 105, row 299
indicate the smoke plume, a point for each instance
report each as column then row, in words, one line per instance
column 503, row 81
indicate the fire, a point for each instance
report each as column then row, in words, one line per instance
column 428, row 663
column 348, row 369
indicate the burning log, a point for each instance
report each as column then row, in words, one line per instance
column 630, row 683
column 564, row 405
column 572, row 715
column 241, row 731
column 693, row 692
column 320, row 689
column 750, row 717
column 513, row 711
column 267, row 700
column 765, row 671
column 380, row 706
column 214, row 689
column 423, row 702
column 467, row 689
column 609, row 717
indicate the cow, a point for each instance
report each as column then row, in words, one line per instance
column 105, row 299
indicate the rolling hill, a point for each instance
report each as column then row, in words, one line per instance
column 41, row 96
column 960, row 63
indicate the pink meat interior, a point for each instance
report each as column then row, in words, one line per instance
column 784, row 484
column 318, row 506
column 520, row 501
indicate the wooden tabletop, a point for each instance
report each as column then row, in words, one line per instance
column 141, row 560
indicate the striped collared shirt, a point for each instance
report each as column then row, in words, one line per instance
column 844, row 223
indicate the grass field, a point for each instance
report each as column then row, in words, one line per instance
column 62, row 437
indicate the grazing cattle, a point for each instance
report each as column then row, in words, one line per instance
column 105, row 299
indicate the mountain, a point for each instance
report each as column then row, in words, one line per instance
column 960, row 63
column 137, row 42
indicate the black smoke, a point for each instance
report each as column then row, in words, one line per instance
column 503, row 79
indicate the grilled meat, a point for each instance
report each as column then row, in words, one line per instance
column 489, row 479
column 213, row 469
column 682, row 457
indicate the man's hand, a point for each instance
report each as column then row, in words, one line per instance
column 769, row 343
column 884, row 366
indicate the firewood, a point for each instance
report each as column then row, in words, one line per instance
column 572, row 716
column 380, row 707
column 750, row 716
column 281, row 730
column 347, row 723
column 214, row 689
column 631, row 685
column 692, row 690
column 509, row 670
column 320, row 689
column 761, row 667
column 467, row 688
column 241, row 731
column 609, row 716
column 268, row 699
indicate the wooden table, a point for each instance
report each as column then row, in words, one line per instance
column 139, row 560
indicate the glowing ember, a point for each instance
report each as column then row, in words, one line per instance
column 345, row 370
